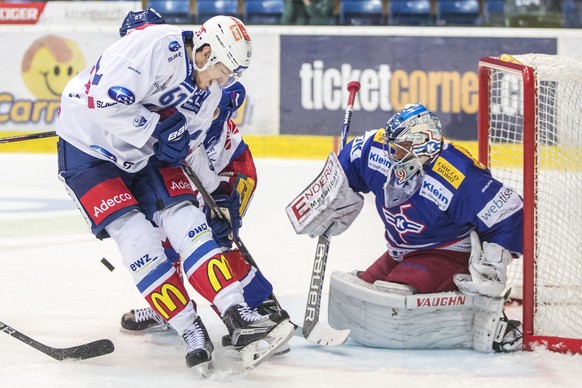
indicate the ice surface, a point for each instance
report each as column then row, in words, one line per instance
column 54, row 289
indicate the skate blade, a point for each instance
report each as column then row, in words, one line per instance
column 150, row 330
column 205, row 369
column 259, row 351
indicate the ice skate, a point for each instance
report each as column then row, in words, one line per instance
column 199, row 348
column 267, row 307
column 510, row 336
column 143, row 320
column 256, row 336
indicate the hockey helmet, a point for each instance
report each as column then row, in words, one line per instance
column 229, row 41
column 135, row 19
column 414, row 137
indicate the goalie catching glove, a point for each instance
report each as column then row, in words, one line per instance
column 327, row 201
column 488, row 268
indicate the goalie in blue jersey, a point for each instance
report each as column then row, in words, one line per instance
column 451, row 230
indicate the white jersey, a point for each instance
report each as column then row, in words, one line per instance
column 108, row 110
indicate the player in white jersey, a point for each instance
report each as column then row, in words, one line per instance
column 232, row 160
column 120, row 160
column 449, row 226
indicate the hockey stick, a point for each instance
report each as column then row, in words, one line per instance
column 80, row 352
column 313, row 329
column 31, row 136
column 218, row 212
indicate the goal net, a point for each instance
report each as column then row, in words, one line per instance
column 530, row 135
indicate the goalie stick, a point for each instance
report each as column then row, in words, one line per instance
column 31, row 136
column 80, row 352
column 313, row 329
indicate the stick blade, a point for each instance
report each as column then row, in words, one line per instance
column 83, row 352
column 325, row 335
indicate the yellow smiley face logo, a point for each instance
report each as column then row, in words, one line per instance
column 48, row 64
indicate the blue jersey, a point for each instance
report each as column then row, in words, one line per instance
column 457, row 195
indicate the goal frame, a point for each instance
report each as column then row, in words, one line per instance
column 530, row 168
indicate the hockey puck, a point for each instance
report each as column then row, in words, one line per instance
column 107, row 264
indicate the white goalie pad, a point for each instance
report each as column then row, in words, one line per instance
column 379, row 316
column 327, row 200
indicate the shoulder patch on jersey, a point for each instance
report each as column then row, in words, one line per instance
column 449, row 172
column 436, row 192
column 378, row 161
column 121, row 94
column 379, row 136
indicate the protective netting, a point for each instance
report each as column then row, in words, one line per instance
column 558, row 182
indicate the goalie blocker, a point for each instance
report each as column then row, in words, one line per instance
column 389, row 315
column 327, row 201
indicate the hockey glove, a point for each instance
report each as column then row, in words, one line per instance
column 173, row 139
column 488, row 270
column 232, row 99
column 225, row 230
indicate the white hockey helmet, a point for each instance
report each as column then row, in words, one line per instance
column 229, row 41
column 414, row 137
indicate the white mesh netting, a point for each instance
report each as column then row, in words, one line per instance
column 558, row 253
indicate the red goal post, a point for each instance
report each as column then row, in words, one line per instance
column 530, row 135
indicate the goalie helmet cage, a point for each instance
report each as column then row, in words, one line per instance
column 530, row 135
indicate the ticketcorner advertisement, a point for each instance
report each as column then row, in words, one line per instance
column 440, row 72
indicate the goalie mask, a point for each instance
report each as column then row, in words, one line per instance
column 230, row 44
column 413, row 138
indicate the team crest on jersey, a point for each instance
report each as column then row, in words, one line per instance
column 449, row 172
column 121, row 94
column 139, row 121
column 401, row 223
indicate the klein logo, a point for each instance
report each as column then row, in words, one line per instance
column 121, row 94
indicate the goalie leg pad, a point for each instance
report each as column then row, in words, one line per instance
column 493, row 332
column 387, row 320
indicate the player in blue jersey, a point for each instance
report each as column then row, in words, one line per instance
column 451, row 229
column 126, row 125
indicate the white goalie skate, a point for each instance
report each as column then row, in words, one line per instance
column 256, row 336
